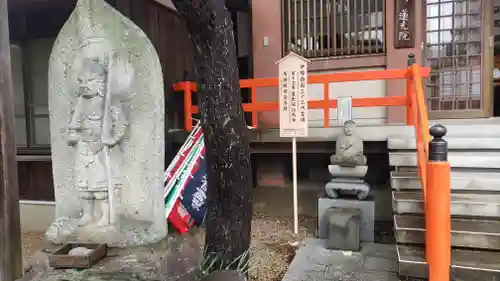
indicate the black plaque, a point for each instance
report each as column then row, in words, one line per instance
column 404, row 29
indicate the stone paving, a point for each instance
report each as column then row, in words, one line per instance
column 176, row 258
column 313, row 262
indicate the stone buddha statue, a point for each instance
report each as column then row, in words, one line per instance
column 349, row 148
column 348, row 165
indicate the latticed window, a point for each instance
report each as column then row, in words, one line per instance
column 454, row 50
column 322, row 28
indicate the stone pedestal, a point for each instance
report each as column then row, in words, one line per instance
column 347, row 180
column 343, row 229
column 366, row 207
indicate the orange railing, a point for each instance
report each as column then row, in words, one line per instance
column 435, row 180
column 326, row 103
column 434, row 189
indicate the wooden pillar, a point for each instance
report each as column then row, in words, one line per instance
column 10, row 238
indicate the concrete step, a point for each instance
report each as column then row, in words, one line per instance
column 466, row 265
column 466, row 233
column 469, row 159
column 454, row 143
column 381, row 132
column 460, row 180
column 462, row 204
column 456, row 129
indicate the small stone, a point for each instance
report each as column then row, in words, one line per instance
column 79, row 251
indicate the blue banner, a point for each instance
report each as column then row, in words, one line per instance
column 194, row 195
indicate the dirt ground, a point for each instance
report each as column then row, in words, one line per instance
column 273, row 241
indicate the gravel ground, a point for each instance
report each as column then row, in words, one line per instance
column 32, row 241
column 273, row 241
column 273, row 244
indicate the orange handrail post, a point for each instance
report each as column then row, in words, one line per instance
column 255, row 113
column 409, row 107
column 188, row 88
column 326, row 109
column 410, row 91
column 422, row 105
column 438, row 216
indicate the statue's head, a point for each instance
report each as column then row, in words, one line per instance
column 349, row 127
column 93, row 74
column 92, row 78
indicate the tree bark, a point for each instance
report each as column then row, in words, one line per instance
column 10, row 239
column 229, row 173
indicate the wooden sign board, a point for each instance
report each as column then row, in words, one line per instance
column 404, row 29
column 344, row 109
column 293, row 109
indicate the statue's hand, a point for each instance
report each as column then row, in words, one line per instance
column 73, row 138
column 109, row 142
column 334, row 159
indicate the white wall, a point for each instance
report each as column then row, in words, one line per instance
column 358, row 89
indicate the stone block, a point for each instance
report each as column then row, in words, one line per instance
column 343, row 229
column 348, row 172
column 367, row 208
column 346, row 186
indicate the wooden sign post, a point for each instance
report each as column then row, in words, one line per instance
column 10, row 240
column 293, row 111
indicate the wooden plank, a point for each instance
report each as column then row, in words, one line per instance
column 10, row 241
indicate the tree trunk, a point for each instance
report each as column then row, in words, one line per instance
column 229, row 174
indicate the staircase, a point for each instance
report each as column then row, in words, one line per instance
column 474, row 156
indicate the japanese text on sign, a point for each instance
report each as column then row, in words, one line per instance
column 302, row 94
column 404, row 32
column 405, row 24
column 284, row 91
column 293, row 107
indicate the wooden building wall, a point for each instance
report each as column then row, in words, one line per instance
column 164, row 27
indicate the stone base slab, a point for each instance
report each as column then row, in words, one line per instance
column 340, row 187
